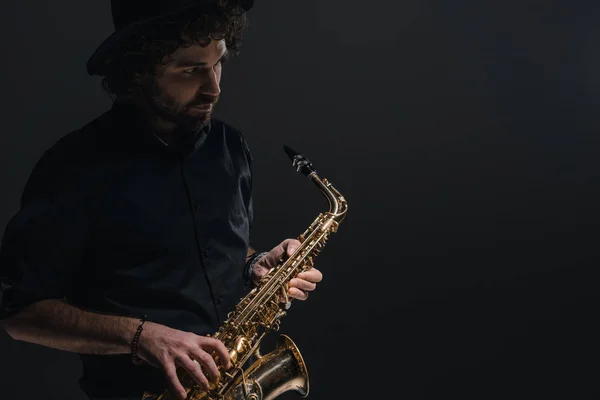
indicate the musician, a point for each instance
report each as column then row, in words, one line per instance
column 132, row 241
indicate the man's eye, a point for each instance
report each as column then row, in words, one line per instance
column 190, row 71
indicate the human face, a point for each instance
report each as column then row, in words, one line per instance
column 186, row 86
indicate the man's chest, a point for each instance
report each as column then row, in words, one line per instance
column 149, row 210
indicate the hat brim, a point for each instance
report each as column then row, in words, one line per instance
column 99, row 61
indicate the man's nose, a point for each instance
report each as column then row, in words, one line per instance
column 211, row 85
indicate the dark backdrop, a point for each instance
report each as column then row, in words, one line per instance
column 464, row 136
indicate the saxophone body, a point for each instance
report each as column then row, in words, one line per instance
column 259, row 313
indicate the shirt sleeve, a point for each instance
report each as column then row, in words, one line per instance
column 43, row 243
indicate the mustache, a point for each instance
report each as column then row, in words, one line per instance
column 204, row 100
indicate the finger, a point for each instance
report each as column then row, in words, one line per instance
column 298, row 294
column 174, row 381
column 218, row 347
column 194, row 370
column 207, row 362
column 271, row 259
column 302, row 284
column 311, row 275
column 290, row 246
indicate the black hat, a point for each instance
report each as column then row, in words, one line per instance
column 130, row 15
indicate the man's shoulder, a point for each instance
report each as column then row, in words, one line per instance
column 75, row 149
column 84, row 138
column 231, row 134
column 226, row 127
column 65, row 164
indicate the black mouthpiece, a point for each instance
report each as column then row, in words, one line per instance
column 291, row 153
column 299, row 161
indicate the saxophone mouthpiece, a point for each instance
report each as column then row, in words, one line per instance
column 291, row 153
column 300, row 162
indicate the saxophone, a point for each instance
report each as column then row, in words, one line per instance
column 259, row 313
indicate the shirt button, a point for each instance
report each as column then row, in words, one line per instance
column 219, row 299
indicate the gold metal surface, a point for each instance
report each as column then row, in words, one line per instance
column 259, row 313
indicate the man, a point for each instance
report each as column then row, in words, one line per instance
column 144, row 213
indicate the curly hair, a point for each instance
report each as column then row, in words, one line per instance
column 136, row 62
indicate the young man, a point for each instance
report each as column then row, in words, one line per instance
column 144, row 213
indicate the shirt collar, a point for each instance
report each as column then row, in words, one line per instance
column 128, row 120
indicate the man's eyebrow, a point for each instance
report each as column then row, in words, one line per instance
column 187, row 62
column 184, row 62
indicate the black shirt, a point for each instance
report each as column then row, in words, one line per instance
column 115, row 221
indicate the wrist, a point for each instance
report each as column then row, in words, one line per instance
column 249, row 268
column 134, row 345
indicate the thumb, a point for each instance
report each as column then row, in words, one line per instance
column 290, row 246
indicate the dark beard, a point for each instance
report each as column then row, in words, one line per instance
column 168, row 109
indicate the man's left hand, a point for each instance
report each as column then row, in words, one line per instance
column 302, row 284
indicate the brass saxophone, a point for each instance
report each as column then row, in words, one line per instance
column 259, row 313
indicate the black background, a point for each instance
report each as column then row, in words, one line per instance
column 464, row 136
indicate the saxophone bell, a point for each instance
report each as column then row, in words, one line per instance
column 282, row 370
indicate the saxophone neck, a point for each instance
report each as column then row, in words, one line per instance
column 337, row 203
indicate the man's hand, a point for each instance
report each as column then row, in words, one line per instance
column 167, row 349
column 301, row 285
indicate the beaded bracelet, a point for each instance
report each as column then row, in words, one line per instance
column 134, row 343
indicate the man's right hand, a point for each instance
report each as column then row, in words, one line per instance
column 167, row 349
column 56, row 324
